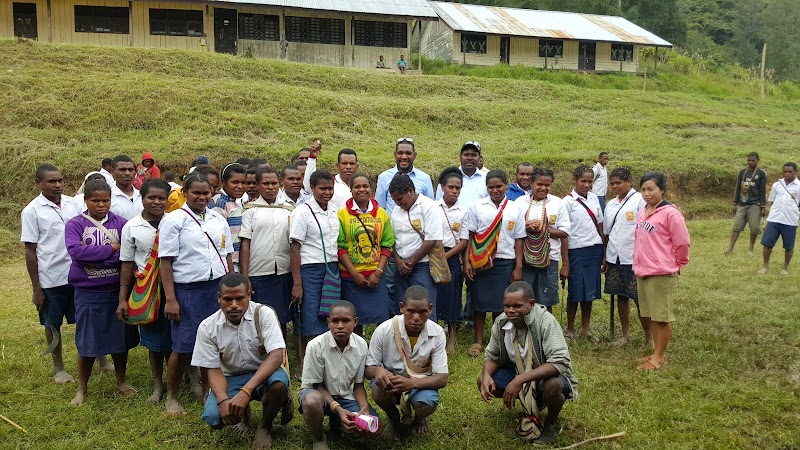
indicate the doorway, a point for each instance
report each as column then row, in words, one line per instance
column 225, row 30
column 25, row 20
column 586, row 55
column 505, row 49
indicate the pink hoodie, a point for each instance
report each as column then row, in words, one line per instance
column 661, row 242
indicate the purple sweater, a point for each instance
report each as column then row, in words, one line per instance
column 95, row 267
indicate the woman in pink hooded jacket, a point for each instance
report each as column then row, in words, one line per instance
column 661, row 249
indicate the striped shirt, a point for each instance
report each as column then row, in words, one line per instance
column 232, row 211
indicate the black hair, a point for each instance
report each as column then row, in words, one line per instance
column 792, row 165
column 195, row 177
column 95, row 186
column 122, row 158
column 234, row 279
column 168, row 176
column 255, row 162
column 406, row 141
column 230, row 169
column 521, row 286
column 524, row 164
column 754, row 155
column 658, row 178
column 261, row 172
column 623, row 173
column 543, row 172
column 243, row 161
column 94, row 176
column 106, row 162
column 300, row 162
column 287, row 168
column 344, row 304
column 450, row 172
column 360, row 175
column 154, row 183
column 296, row 156
column 497, row 173
column 400, row 184
column 580, row 170
column 346, row 151
column 205, row 169
column 43, row 169
column 602, row 154
column 416, row 292
column 320, row 175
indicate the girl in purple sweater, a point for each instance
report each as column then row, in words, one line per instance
column 92, row 241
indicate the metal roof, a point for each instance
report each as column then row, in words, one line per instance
column 546, row 24
column 398, row 8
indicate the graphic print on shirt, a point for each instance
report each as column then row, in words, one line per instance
column 93, row 236
column 367, row 247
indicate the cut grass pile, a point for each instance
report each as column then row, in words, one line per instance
column 733, row 378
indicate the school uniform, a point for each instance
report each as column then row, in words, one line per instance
column 585, row 247
column 231, row 210
column 620, row 227
column 94, row 273
column 138, row 237
column 783, row 214
column 341, row 190
column 302, row 197
column 43, row 224
column 473, row 188
column 600, row 184
column 449, row 295
column 198, row 246
column 124, row 206
column 317, row 231
column 267, row 228
column 488, row 285
column 426, row 217
column 544, row 281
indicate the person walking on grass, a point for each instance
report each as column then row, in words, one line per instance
column 47, row 260
column 600, row 181
column 136, row 247
column 528, row 358
column 661, row 241
column 585, row 252
column 783, row 217
column 622, row 213
column 522, row 183
column 93, row 243
column 749, row 202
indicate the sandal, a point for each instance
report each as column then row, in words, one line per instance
column 648, row 365
column 569, row 336
column 475, row 350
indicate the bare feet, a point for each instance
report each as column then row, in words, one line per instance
column 762, row 271
column 389, row 431
column 242, row 428
column 621, row 342
column 197, row 390
column 784, row 272
column 321, row 445
column 174, row 407
column 105, row 365
column 126, row 389
column 155, row 397
column 80, row 398
column 287, row 412
column 263, row 439
column 62, row 377
column 450, row 348
column 727, row 252
column 420, row 426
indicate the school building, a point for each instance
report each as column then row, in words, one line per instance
column 350, row 33
column 489, row 35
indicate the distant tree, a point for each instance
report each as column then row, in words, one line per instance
column 662, row 17
column 782, row 22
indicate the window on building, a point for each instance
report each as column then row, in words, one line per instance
column 315, row 30
column 473, row 43
column 621, row 52
column 380, row 34
column 101, row 19
column 259, row 27
column 551, row 48
column 176, row 22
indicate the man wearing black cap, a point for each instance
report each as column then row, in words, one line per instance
column 474, row 186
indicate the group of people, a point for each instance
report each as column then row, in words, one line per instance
column 227, row 259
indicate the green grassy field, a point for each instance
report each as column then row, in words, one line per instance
column 733, row 379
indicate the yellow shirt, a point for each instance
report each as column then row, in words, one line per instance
column 413, row 341
column 175, row 200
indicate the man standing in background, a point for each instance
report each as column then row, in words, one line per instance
column 600, row 184
column 749, row 202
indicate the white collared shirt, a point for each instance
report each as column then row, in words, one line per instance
column 512, row 343
column 137, row 241
column 482, row 213
column 582, row 231
column 195, row 258
column 43, row 224
column 784, row 198
column 621, row 225
column 235, row 348
column 453, row 224
column 302, row 197
column 107, row 175
column 341, row 190
column 304, row 229
column 430, row 347
column 600, row 183
column 426, row 216
column 557, row 217
column 267, row 229
column 336, row 369
column 125, row 206
column 473, row 188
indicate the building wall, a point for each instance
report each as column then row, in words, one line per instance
column 490, row 58
column 603, row 59
column 7, row 18
column 141, row 26
column 436, row 40
column 62, row 14
column 526, row 51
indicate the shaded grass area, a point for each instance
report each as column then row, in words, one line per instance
column 733, row 379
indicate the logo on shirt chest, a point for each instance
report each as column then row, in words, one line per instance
column 416, row 224
column 629, row 216
column 456, row 226
column 511, row 225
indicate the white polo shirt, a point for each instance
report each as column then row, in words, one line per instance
column 430, row 347
column 426, row 216
column 195, row 257
column 107, row 175
column 482, row 213
column 267, row 228
column 336, row 369
column 304, row 229
column 302, row 197
column 453, row 224
column 785, row 199
column 557, row 217
column 235, row 348
column 43, row 224
column 620, row 226
column 137, row 241
column 600, row 184
column 582, row 231
column 125, row 206
column 473, row 188
column 341, row 190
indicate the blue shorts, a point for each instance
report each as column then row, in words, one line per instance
column 235, row 382
column 346, row 403
column 429, row 397
column 504, row 375
column 787, row 233
column 59, row 304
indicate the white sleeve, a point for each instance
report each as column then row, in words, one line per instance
column 311, row 167
column 432, row 219
column 439, row 355
column 30, row 227
column 469, row 222
column 228, row 240
column 271, row 328
column 519, row 226
column 298, row 225
column 772, row 193
column 313, row 368
column 246, row 231
column 127, row 248
column 359, row 378
column 169, row 236
column 562, row 221
column 206, row 352
column 375, row 353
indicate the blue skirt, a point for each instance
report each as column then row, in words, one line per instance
column 488, row 287
column 584, row 284
column 157, row 336
column 449, row 295
column 311, row 323
column 98, row 331
column 275, row 291
column 197, row 301
column 372, row 304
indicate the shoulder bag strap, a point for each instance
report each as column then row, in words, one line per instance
column 219, row 255
column 591, row 214
column 321, row 236
column 102, row 228
column 413, row 369
column 450, row 225
column 257, row 320
column 614, row 221
column 369, row 235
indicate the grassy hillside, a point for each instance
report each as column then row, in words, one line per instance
column 73, row 105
